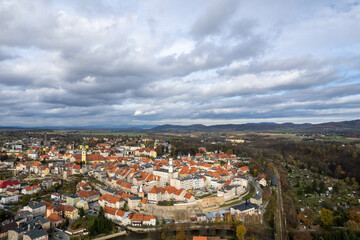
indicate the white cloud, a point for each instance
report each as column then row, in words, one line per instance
column 191, row 62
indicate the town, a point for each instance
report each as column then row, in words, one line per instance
column 56, row 185
column 74, row 185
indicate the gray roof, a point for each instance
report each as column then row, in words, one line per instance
column 274, row 180
column 38, row 220
column 135, row 198
column 257, row 197
column 245, row 206
column 37, row 205
column 36, row 233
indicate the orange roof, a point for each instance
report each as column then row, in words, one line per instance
column 120, row 213
column 187, row 196
column 199, row 238
column 245, row 168
column 85, row 194
column 156, row 190
column 126, row 195
column 54, row 217
column 184, row 170
column 170, row 189
column 148, row 218
column 48, row 205
column 193, row 170
column 143, row 201
column 37, row 164
column 109, row 210
column 178, row 192
column 126, row 185
column 109, row 198
column 138, row 217
column 32, row 187
column 64, row 208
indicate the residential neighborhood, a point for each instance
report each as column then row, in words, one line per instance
column 132, row 185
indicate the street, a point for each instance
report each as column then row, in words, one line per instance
column 59, row 235
column 283, row 232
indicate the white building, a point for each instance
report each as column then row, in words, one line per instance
column 9, row 199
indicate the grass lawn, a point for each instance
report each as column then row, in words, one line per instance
column 250, row 194
column 231, row 203
column 204, row 196
column 83, row 223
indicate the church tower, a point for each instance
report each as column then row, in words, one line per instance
column 83, row 153
column 171, row 165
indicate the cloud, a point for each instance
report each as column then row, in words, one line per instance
column 216, row 14
column 71, row 63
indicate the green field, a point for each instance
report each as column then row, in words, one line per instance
column 112, row 134
column 337, row 139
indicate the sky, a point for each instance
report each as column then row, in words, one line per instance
column 153, row 62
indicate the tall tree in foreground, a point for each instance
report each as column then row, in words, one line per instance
column 326, row 217
column 240, row 232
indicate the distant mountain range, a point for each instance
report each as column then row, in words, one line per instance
column 345, row 126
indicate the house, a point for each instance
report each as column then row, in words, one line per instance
column 137, row 219
column 111, row 201
column 146, row 152
column 149, row 221
column 4, row 185
column 244, row 208
column 55, row 196
column 36, row 234
column 12, row 191
column 31, row 189
column 9, row 199
column 261, row 180
column 55, row 220
column 201, row 218
column 82, row 204
column 189, row 198
column 256, row 199
column 37, row 209
column 83, row 186
column 134, row 202
column 76, row 231
column 244, row 169
column 5, row 228
column 155, row 193
column 72, row 199
column 89, row 196
column 44, row 171
column 67, row 211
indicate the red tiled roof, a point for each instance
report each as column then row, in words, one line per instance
column 187, row 196
column 109, row 210
column 137, row 217
column 85, row 194
column 148, row 218
column 32, row 188
column 109, row 198
column 54, row 217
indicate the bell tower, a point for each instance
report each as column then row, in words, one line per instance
column 83, row 153
column 171, row 165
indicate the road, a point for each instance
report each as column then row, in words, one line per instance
column 283, row 232
column 60, row 235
